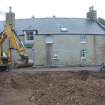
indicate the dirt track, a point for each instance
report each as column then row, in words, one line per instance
column 52, row 88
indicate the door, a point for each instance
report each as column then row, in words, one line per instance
column 49, row 53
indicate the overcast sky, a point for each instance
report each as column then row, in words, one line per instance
column 48, row 8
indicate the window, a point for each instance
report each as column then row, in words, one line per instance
column 83, row 53
column 49, row 40
column 29, row 35
column 83, row 56
column 83, row 39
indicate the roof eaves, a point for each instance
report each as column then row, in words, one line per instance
column 96, row 34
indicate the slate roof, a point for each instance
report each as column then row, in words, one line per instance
column 54, row 25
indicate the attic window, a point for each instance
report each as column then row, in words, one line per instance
column 30, row 35
column 64, row 29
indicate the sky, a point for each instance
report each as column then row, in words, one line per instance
column 49, row 8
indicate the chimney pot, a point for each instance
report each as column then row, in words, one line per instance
column 10, row 9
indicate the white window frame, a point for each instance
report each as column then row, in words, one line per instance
column 49, row 40
column 29, row 41
column 83, row 39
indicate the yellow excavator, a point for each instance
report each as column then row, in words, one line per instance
column 14, row 43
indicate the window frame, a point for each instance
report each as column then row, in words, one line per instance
column 83, row 39
column 83, row 53
column 27, row 36
column 49, row 39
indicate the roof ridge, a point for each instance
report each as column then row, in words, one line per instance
column 46, row 18
column 51, row 18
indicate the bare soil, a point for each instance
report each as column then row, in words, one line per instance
column 52, row 88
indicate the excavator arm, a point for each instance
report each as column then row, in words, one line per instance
column 10, row 34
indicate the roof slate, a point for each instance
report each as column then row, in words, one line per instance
column 54, row 25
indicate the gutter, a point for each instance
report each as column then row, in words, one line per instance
column 88, row 34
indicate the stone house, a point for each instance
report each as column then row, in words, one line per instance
column 62, row 41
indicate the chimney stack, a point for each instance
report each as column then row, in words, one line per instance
column 10, row 17
column 92, row 14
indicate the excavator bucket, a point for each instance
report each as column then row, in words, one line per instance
column 24, row 62
column 21, row 64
